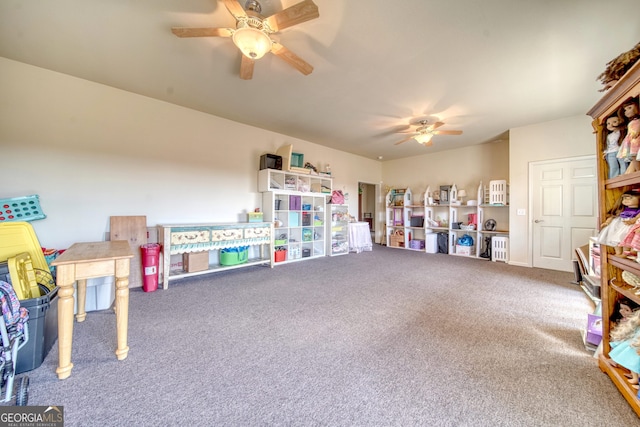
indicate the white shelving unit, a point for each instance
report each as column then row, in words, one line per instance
column 437, row 216
column 452, row 218
column 339, row 230
column 414, row 214
column 396, row 200
column 299, row 213
column 276, row 180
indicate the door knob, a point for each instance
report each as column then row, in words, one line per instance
column 538, row 220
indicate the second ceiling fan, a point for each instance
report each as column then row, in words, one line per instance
column 252, row 34
column 424, row 132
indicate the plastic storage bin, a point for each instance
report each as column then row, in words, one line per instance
column 297, row 160
column 280, row 255
column 465, row 250
column 234, row 256
column 43, row 330
column 101, row 292
column 431, row 243
column 416, row 244
column 19, row 237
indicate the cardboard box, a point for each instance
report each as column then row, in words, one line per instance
column 195, row 261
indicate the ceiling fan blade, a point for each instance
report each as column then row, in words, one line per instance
column 436, row 125
column 428, row 143
column 404, row 140
column 235, row 9
column 291, row 58
column 293, row 15
column 246, row 68
column 201, row 32
column 448, row 132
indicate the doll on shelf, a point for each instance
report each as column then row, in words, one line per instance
column 620, row 221
column 629, row 111
column 625, row 345
column 617, row 166
column 631, row 242
column 624, row 308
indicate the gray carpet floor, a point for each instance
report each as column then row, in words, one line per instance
column 382, row 338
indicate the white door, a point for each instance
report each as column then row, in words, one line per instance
column 563, row 209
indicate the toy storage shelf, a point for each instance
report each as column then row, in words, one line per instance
column 403, row 207
column 339, row 230
column 277, row 180
column 609, row 190
column 300, row 221
column 296, row 203
column 177, row 239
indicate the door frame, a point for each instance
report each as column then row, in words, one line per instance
column 376, row 197
column 530, row 195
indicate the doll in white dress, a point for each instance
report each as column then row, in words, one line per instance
column 620, row 221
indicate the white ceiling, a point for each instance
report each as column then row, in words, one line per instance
column 482, row 67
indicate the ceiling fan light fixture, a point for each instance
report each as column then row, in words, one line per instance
column 252, row 42
column 423, row 138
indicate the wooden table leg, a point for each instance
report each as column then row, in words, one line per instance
column 65, row 279
column 122, row 307
column 81, row 298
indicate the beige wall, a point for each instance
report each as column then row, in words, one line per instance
column 91, row 151
column 557, row 139
column 464, row 167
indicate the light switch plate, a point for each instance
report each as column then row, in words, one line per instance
column 521, row 212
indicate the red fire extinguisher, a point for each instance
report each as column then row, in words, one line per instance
column 150, row 262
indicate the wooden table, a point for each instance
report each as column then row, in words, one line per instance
column 80, row 262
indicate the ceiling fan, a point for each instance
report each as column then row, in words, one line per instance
column 425, row 132
column 252, row 34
